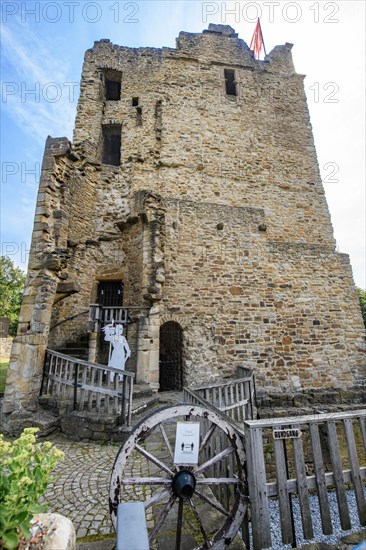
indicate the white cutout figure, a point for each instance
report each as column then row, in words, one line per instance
column 121, row 350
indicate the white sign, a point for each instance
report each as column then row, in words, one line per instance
column 187, row 442
column 288, row 433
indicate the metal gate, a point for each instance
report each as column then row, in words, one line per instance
column 170, row 358
column 110, row 293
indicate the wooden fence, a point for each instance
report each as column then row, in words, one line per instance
column 234, row 397
column 89, row 386
column 287, row 457
column 217, row 443
column 311, row 454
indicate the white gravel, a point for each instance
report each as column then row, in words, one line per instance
column 338, row 533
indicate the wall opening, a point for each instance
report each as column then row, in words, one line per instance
column 112, row 85
column 135, row 102
column 171, row 357
column 112, row 144
column 110, row 293
column 230, row 82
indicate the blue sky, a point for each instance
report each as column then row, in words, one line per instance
column 42, row 49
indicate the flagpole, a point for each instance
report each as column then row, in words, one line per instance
column 260, row 28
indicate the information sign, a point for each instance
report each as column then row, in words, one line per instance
column 187, row 439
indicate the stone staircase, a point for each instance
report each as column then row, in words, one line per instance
column 79, row 348
column 56, row 413
column 145, row 402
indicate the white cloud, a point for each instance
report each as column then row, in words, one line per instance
column 36, row 93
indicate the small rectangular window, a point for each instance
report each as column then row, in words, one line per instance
column 112, row 84
column 230, row 82
column 135, row 102
column 112, row 90
column 112, row 144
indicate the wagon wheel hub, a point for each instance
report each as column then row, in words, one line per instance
column 184, row 484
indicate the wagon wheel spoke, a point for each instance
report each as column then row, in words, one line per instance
column 159, row 522
column 179, row 524
column 198, row 519
column 207, row 437
column 213, row 460
column 153, row 459
column 166, row 440
column 213, row 503
column 156, row 498
column 146, row 481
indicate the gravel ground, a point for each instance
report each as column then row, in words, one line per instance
column 317, row 526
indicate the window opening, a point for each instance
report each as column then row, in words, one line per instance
column 112, row 90
column 112, row 84
column 138, row 116
column 230, row 82
column 110, row 293
column 112, row 144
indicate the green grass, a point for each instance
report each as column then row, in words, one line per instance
column 3, row 368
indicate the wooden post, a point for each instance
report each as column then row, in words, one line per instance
column 320, row 479
column 261, row 527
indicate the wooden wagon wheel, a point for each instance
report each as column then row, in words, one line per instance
column 144, row 470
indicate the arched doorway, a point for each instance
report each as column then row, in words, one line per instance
column 170, row 358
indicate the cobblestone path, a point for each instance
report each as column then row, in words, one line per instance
column 81, row 489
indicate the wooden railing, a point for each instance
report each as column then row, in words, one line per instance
column 234, row 401
column 101, row 315
column 89, row 386
column 234, row 397
column 226, row 467
column 309, row 454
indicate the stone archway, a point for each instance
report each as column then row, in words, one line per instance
column 171, row 357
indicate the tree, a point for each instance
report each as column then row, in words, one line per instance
column 362, row 298
column 12, row 281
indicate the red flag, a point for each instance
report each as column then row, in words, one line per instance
column 257, row 43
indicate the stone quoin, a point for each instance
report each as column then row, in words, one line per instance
column 191, row 196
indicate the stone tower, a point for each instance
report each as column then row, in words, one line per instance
column 190, row 197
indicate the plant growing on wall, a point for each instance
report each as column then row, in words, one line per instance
column 12, row 281
column 25, row 468
column 362, row 298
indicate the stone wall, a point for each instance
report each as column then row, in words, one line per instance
column 216, row 219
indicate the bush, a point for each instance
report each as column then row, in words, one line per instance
column 12, row 280
column 362, row 298
column 25, row 468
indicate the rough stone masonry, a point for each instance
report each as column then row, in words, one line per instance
column 193, row 181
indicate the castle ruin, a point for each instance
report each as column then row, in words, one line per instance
column 190, row 205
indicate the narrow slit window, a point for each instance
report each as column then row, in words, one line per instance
column 138, row 116
column 135, row 102
column 112, row 85
column 112, row 145
column 230, row 82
